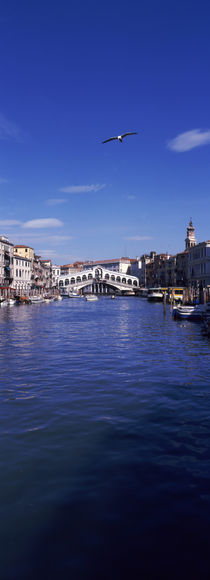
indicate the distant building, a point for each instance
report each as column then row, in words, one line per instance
column 41, row 275
column 182, row 274
column 156, row 271
column 6, row 262
column 24, row 251
column 46, row 273
column 116, row 265
column 55, row 275
column 22, row 275
column 138, row 267
column 68, row 269
column 199, row 264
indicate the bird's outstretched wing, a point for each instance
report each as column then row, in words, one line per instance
column 125, row 134
column 111, row 139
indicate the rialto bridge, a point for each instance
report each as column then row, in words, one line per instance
column 98, row 280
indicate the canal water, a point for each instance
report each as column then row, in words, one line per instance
column 105, row 442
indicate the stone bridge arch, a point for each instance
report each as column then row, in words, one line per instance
column 98, row 275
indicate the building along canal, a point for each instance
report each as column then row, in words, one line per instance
column 105, row 439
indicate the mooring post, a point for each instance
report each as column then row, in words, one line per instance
column 164, row 303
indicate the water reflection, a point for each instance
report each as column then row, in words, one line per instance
column 105, row 442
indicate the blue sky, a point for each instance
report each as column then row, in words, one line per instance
column 76, row 72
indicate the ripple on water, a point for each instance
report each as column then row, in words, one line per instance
column 104, row 442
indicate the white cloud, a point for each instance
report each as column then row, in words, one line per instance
column 43, row 223
column 55, row 201
column 10, row 223
column 82, row 188
column 138, row 238
column 9, row 130
column 189, row 140
column 61, row 238
column 47, row 252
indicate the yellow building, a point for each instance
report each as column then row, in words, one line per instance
column 24, row 251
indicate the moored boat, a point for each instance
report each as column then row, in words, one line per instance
column 10, row 301
column 155, row 295
column 36, row 299
column 91, row 297
column 189, row 312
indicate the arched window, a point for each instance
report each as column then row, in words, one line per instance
column 118, row 279
column 66, row 282
column 72, row 280
column 129, row 281
column 60, row 282
column 112, row 277
column 78, row 279
column 84, row 277
column 123, row 280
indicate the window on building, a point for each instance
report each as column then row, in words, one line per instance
column 16, row 272
column 20, row 273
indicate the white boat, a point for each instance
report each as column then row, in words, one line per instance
column 155, row 295
column 58, row 297
column 36, row 299
column 91, row 297
column 3, row 303
column 49, row 298
column 74, row 295
column 11, row 302
column 192, row 312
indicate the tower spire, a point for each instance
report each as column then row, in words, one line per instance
column 190, row 240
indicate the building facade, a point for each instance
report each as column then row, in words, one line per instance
column 199, row 265
column 6, row 262
column 22, row 275
column 121, row 265
column 24, row 251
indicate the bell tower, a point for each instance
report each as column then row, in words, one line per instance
column 190, row 240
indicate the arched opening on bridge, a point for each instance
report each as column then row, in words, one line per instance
column 78, row 279
column 118, row 279
column 123, row 280
column 66, row 282
column 135, row 283
column 112, row 277
column 84, row 277
column 90, row 276
column 106, row 276
column 129, row 281
column 72, row 280
column 60, row 282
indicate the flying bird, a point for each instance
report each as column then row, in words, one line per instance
column 119, row 138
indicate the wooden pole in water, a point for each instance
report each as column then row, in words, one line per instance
column 164, row 303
